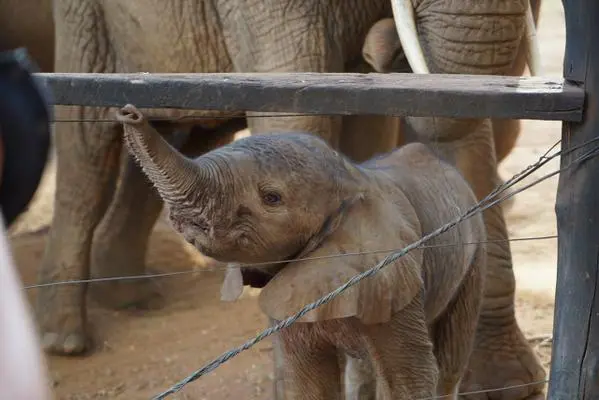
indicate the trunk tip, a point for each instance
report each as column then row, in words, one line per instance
column 129, row 114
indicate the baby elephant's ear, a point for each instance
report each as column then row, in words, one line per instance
column 374, row 299
column 382, row 46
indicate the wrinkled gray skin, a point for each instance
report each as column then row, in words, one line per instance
column 262, row 36
column 414, row 321
column 383, row 51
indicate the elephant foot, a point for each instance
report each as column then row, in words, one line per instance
column 64, row 342
column 119, row 261
column 142, row 294
column 62, row 327
column 504, row 361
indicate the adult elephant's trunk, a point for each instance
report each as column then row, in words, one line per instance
column 172, row 174
column 405, row 21
column 463, row 37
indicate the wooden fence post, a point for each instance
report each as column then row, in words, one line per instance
column 575, row 361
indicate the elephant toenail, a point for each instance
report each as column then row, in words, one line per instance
column 73, row 344
column 49, row 340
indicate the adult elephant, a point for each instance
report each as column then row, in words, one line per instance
column 384, row 53
column 262, row 36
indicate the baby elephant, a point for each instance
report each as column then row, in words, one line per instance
column 287, row 196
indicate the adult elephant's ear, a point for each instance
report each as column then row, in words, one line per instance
column 370, row 227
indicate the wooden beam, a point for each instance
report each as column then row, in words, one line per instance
column 469, row 96
column 575, row 361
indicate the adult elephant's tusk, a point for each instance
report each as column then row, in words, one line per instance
column 533, row 54
column 405, row 22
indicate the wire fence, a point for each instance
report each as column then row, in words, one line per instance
column 495, row 197
column 483, row 391
column 255, row 265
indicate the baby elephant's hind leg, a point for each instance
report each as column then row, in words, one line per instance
column 454, row 332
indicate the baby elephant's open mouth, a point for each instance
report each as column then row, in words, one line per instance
column 255, row 277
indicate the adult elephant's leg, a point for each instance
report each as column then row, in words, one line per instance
column 88, row 155
column 328, row 128
column 505, row 135
column 121, row 240
column 87, row 165
column 507, row 131
column 501, row 356
column 283, row 37
column 364, row 136
column 202, row 140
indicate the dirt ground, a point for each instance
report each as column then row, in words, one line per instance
column 139, row 354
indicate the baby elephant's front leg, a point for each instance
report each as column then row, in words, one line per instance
column 312, row 369
column 402, row 355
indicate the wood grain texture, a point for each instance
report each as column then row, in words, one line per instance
column 575, row 353
column 469, row 96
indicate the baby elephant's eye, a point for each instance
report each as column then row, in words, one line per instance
column 271, row 198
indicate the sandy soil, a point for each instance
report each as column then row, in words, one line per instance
column 139, row 354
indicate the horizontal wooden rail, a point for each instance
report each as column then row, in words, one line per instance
column 468, row 96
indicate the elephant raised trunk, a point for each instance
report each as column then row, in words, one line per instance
column 172, row 174
column 405, row 23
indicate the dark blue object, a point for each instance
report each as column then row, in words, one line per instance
column 24, row 132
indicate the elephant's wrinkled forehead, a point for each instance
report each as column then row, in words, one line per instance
column 285, row 152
